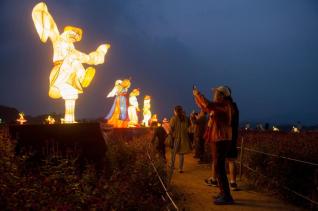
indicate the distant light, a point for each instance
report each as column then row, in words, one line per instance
column 50, row 120
column 275, row 129
column 295, row 130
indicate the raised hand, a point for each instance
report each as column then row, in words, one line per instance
column 195, row 91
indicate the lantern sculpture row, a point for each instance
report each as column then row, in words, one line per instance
column 124, row 111
column 68, row 76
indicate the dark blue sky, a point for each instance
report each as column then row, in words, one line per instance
column 265, row 50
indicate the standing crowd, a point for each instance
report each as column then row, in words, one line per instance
column 212, row 133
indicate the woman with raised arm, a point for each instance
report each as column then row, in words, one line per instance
column 219, row 135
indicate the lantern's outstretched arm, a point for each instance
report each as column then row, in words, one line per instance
column 95, row 57
column 44, row 23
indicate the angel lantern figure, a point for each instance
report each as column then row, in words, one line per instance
column 68, row 76
column 21, row 119
column 133, row 108
column 118, row 115
column 146, row 111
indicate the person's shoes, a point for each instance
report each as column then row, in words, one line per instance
column 181, row 171
column 217, row 196
column 208, row 181
column 233, row 186
column 201, row 162
column 211, row 182
column 170, row 167
column 222, row 200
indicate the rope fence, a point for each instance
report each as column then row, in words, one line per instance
column 162, row 183
column 243, row 149
column 283, row 157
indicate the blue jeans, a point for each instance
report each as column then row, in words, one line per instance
column 173, row 158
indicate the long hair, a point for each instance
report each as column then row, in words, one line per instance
column 180, row 113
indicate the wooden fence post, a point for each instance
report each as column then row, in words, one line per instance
column 241, row 157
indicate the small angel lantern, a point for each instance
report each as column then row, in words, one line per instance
column 21, row 119
column 146, row 111
column 50, row 120
column 133, row 108
column 118, row 114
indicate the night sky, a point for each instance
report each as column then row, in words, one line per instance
column 265, row 50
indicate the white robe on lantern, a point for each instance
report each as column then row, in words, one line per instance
column 146, row 113
column 132, row 110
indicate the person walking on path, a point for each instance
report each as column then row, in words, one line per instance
column 179, row 125
column 219, row 134
column 158, row 139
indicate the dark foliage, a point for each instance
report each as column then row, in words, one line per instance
column 53, row 183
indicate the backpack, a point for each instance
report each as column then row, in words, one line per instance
column 235, row 126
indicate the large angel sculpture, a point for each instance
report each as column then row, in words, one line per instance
column 68, row 76
column 118, row 114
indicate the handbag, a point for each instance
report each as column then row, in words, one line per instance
column 169, row 141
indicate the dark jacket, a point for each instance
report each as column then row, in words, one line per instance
column 220, row 121
column 235, row 126
column 161, row 135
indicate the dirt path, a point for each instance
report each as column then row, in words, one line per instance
column 195, row 195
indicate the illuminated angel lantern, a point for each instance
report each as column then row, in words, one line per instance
column 21, row 119
column 133, row 108
column 68, row 76
column 146, row 111
column 118, row 114
column 50, row 120
column 154, row 118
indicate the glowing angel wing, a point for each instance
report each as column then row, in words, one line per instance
column 44, row 23
column 115, row 90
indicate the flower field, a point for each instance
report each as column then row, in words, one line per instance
column 288, row 165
